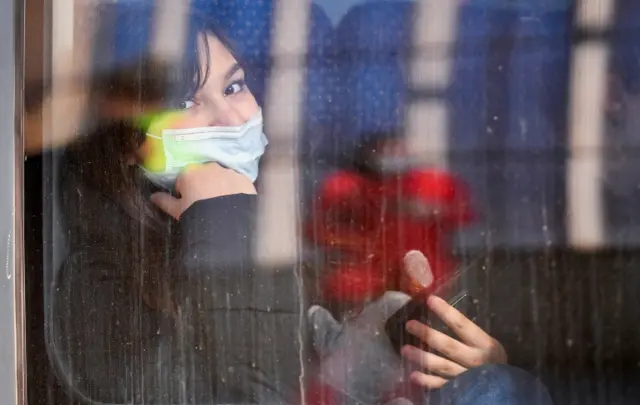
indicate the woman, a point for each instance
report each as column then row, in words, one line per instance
column 159, row 301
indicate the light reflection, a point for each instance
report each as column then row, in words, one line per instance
column 585, row 211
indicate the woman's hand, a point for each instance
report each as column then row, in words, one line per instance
column 201, row 183
column 474, row 348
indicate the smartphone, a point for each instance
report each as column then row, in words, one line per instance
column 416, row 309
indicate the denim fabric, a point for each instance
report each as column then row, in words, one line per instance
column 491, row 385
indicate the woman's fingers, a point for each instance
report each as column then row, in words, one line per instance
column 463, row 327
column 432, row 362
column 446, row 345
column 431, row 382
column 168, row 204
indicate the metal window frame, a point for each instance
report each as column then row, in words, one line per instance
column 12, row 351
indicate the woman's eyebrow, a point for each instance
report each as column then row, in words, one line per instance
column 232, row 71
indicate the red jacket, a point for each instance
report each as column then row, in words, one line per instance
column 373, row 222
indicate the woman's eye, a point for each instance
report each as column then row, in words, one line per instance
column 186, row 104
column 235, row 87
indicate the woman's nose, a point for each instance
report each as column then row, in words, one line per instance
column 224, row 114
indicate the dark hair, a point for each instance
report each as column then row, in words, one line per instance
column 141, row 76
column 104, row 199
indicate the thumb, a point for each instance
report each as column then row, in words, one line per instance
column 168, row 204
column 324, row 330
column 379, row 311
column 418, row 270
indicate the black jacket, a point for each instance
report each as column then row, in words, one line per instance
column 237, row 334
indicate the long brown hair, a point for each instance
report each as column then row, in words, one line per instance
column 104, row 198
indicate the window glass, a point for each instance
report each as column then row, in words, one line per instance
column 260, row 201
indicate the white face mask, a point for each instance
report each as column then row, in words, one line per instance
column 237, row 148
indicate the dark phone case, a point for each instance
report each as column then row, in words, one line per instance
column 417, row 310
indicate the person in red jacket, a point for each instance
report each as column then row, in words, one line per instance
column 381, row 204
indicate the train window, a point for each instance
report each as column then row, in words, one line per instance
column 328, row 202
column 12, row 337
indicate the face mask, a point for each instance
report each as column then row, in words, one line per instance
column 169, row 151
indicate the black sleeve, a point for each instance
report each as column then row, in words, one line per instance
column 235, row 336
column 218, row 233
column 250, row 315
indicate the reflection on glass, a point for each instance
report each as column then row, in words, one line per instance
column 238, row 198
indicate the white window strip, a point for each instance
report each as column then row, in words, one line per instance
column 170, row 25
column 427, row 129
column 278, row 239
column 62, row 32
column 434, row 36
column 585, row 213
column 70, row 59
column 12, row 287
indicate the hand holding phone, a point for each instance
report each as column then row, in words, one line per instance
column 418, row 271
column 437, row 336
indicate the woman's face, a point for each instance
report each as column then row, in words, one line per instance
column 224, row 99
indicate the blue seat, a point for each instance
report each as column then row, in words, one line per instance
column 538, row 79
column 321, row 32
column 372, row 41
column 373, row 102
column 538, row 86
column 246, row 22
column 508, row 107
column 321, row 81
column 318, row 105
column 534, row 53
column 470, row 88
column 626, row 48
column 124, row 34
column 247, row 27
column 376, row 29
